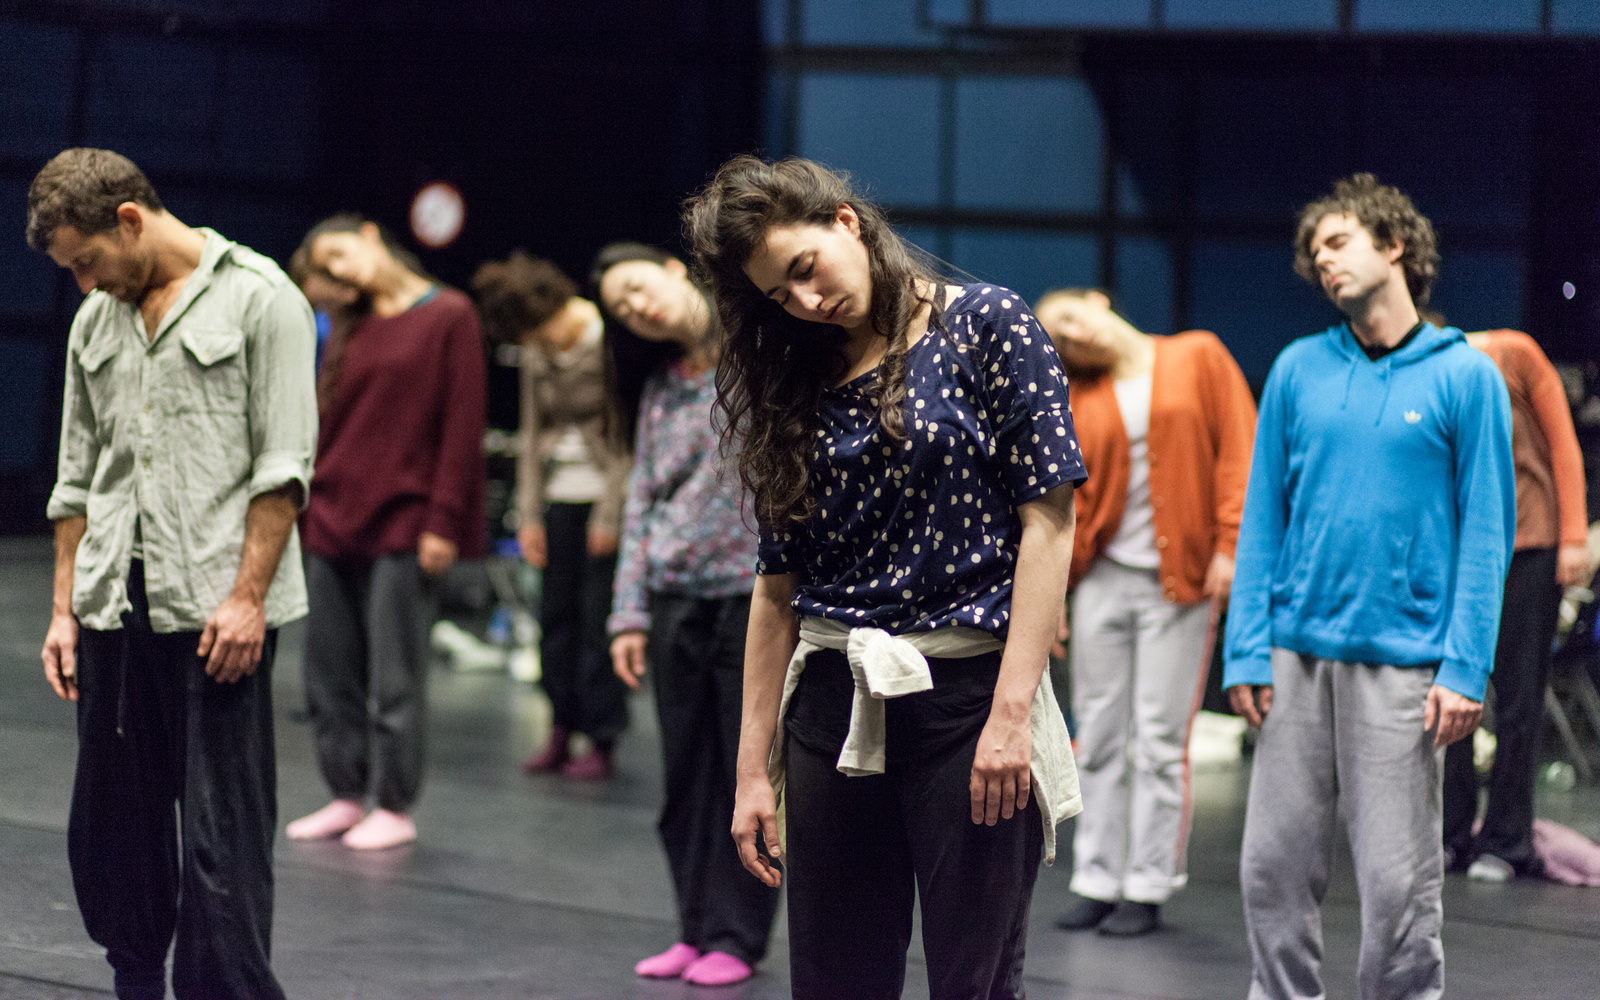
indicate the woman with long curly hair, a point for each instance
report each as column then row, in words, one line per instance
column 911, row 458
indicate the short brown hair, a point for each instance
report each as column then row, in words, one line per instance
column 1387, row 214
column 519, row 293
column 83, row 188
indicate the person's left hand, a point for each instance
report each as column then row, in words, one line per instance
column 435, row 553
column 232, row 639
column 602, row 543
column 1058, row 649
column 1572, row 565
column 1002, row 766
column 1219, row 580
column 1456, row 715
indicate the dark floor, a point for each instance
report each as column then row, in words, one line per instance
column 533, row 888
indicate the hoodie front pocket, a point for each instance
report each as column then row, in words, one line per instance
column 1417, row 581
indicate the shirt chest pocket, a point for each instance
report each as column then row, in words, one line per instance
column 99, row 375
column 214, row 362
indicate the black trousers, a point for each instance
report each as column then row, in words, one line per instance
column 696, row 652
column 575, row 651
column 173, row 812
column 860, row 850
column 1521, row 671
column 366, row 674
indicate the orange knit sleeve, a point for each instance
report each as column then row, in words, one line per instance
column 1549, row 401
column 1233, row 426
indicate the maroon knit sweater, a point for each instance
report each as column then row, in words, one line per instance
column 401, row 445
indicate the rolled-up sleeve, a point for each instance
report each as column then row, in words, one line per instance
column 80, row 442
column 283, row 393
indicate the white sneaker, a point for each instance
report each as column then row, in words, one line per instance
column 1489, row 868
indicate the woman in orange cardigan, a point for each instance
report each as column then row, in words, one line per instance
column 1166, row 425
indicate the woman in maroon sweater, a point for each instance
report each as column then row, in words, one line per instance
column 397, row 496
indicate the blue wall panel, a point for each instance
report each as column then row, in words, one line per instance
column 1448, row 15
column 1246, row 292
column 1480, row 289
column 1028, row 143
column 1144, row 283
column 863, row 22
column 154, row 101
column 775, row 21
column 1030, row 263
column 883, row 129
column 22, row 401
column 1074, row 14
column 35, row 89
column 1267, row 145
column 26, row 276
column 1575, row 16
column 1295, row 15
column 268, row 116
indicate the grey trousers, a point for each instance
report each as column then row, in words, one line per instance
column 1345, row 734
column 366, row 671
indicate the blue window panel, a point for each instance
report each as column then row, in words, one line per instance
column 269, row 115
column 1144, row 283
column 863, row 22
column 780, row 99
column 1076, row 14
column 35, row 90
column 1448, row 15
column 1028, row 143
column 1480, row 289
column 954, row 13
column 926, row 238
column 1295, row 15
column 26, row 275
column 1575, row 17
column 1469, row 158
column 23, row 364
column 1029, row 263
column 883, row 129
column 1130, row 199
column 269, row 225
column 1267, row 145
column 775, row 21
column 1246, row 292
column 153, row 100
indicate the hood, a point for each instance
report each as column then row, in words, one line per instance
column 1430, row 340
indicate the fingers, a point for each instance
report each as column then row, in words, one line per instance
column 1266, row 701
column 1024, row 786
column 977, row 792
column 52, row 670
column 207, row 637
column 769, row 833
column 620, row 667
column 1430, row 711
column 1242, row 697
column 1008, row 796
column 750, row 855
column 991, row 801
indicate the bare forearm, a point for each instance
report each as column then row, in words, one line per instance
column 769, row 644
column 69, row 532
column 267, row 525
column 1044, row 559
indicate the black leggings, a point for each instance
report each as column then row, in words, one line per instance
column 860, row 850
column 576, row 657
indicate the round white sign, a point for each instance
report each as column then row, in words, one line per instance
column 437, row 214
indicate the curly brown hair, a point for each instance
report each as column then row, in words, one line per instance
column 83, row 188
column 773, row 366
column 1386, row 213
column 518, row 294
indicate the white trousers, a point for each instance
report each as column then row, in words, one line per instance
column 1138, row 674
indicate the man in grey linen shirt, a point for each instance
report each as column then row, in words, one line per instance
column 188, row 429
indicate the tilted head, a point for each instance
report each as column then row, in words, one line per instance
column 89, row 210
column 1358, row 239
column 648, row 291
column 518, row 295
column 1084, row 328
column 357, row 252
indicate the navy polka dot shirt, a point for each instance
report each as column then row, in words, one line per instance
column 922, row 534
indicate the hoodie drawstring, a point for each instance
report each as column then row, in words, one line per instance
column 1383, row 373
column 1350, row 377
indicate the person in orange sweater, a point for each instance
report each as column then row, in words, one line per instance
column 1166, row 427
column 1550, row 552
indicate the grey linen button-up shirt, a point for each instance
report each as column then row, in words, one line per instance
column 176, row 434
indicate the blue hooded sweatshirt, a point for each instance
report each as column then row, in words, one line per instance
column 1379, row 519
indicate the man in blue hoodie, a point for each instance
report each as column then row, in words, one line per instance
column 1377, row 528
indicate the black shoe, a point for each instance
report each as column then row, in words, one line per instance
column 1131, row 919
column 1085, row 913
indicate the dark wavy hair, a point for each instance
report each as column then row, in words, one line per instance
column 773, row 366
column 631, row 359
column 83, row 188
column 517, row 294
column 1387, row 214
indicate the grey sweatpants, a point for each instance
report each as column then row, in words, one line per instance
column 1345, row 734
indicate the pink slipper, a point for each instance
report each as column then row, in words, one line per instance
column 381, row 829
column 670, row 963
column 331, row 820
column 717, row 968
column 592, row 766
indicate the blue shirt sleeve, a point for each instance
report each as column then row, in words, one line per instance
column 1486, row 513
column 1248, row 658
column 1025, row 394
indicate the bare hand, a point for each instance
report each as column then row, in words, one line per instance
column 535, row 547
column 60, row 656
column 1058, row 649
column 435, row 553
column 602, row 543
column 1455, row 714
column 1002, row 767
column 1572, row 566
column 1219, row 580
column 233, row 638
column 627, row 657
column 755, row 811
column 1246, row 697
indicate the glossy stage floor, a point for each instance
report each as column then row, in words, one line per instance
column 532, row 888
